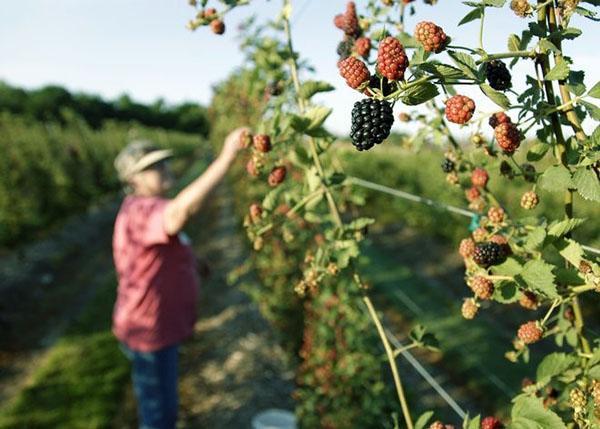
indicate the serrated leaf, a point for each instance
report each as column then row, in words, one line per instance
column 513, row 43
column 556, row 179
column 506, row 292
column 559, row 72
column 595, row 91
column 494, row 3
column 535, row 238
column 537, row 151
column 530, row 413
column 474, row 423
column 471, row 16
column 419, row 94
column 317, row 116
column 552, row 365
column 423, row 419
column 570, row 250
column 570, row 33
column 587, row 183
column 442, row 70
column 312, row 87
column 496, row 96
column 568, row 276
column 563, row 227
column 592, row 109
column 538, row 276
column 510, row 267
column 465, row 62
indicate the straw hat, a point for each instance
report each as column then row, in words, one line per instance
column 137, row 156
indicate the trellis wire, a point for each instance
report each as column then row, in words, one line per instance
column 429, row 202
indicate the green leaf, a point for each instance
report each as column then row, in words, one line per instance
column 423, row 420
column 547, row 46
column 535, row 238
column 419, row 94
column 474, row 423
column 537, row 151
column 312, row 87
column 553, row 364
column 568, row 276
column 563, row 227
column 513, row 43
column 496, row 96
column 570, row 33
column 317, row 116
column 595, row 372
column 471, row 16
column 595, row 91
column 537, row 275
column 559, row 71
column 494, row 3
column 570, row 250
column 359, row 223
column 510, row 267
column 506, row 292
column 529, row 413
column 556, row 179
column 587, row 184
column 592, row 109
column 442, row 70
column 465, row 62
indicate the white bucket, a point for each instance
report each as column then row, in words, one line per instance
column 274, row 419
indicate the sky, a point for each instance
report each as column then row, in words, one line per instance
column 142, row 47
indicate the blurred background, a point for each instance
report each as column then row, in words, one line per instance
column 78, row 80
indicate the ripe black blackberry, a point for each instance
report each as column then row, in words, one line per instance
column 498, row 75
column 371, row 123
column 447, row 165
column 488, row 254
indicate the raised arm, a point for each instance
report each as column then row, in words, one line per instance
column 187, row 202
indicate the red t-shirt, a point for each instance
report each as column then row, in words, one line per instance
column 158, row 280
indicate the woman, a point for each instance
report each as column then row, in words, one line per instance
column 155, row 308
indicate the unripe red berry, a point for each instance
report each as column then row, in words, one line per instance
column 354, row 71
column 479, row 177
column 262, row 143
column 459, row 109
column 217, row 26
column 530, row 332
column 277, row 176
column 391, row 59
column 430, row 36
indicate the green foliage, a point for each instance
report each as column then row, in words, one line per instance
column 49, row 170
column 50, row 102
column 80, row 382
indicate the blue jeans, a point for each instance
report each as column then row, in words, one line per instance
column 154, row 378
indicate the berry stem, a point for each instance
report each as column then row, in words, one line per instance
column 502, row 55
column 555, row 304
column 583, row 288
column 499, row 277
column 405, row 348
column 301, row 106
column 461, row 47
column 392, row 359
column 481, row 28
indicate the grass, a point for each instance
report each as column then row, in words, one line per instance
column 82, row 379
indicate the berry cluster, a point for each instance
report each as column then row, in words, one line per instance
column 528, row 300
column 362, row 46
column 508, row 137
column 488, row 254
column 482, row 287
column 349, row 24
column 472, row 194
column 469, row 308
column 529, row 200
column 499, row 118
column 277, row 175
column 530, row 332
column 466, row 248
column 262, row 143
column 496, row 215
column 491, row 422
column 448, row 165
column 354, row 71
column 371, row 123
column 430, row 36
column 479, row 177
column 498, row 75
column 459, row 109
column 391, row 59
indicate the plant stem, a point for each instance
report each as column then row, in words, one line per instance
column 547, row 12
column 583, row 288
column 301, row 106
column 405, row 348
column 392, row 361
column 481, row 28
column 514, row 54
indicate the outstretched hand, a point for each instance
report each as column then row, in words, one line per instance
column 233, row 142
